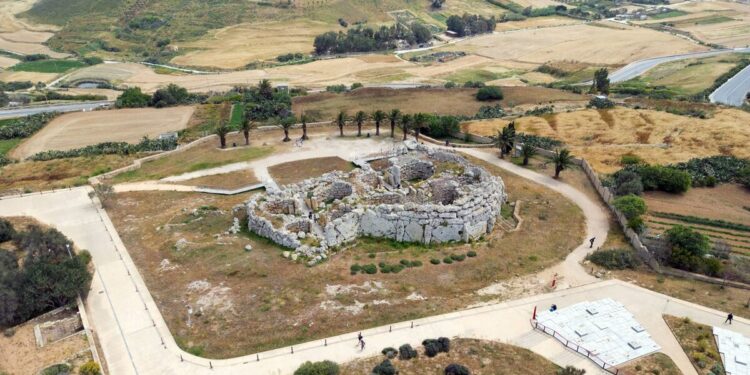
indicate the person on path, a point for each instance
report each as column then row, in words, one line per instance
column 359, row 339
column 730, row 317
column 361, row 345
column 592, row 242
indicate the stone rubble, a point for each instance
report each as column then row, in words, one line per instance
column 407, row 201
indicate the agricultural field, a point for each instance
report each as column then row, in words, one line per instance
column 81, row 129
column 603, row 136
column 472, row 353
column 325, row 106
column 691, row 76
column 21, row 36
column 48, row 66
column 717, row 22
column 151, row 223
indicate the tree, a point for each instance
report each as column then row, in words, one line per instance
column 563, row 159
column 4, row 99
column 406, row 124
column 437, row 4
column 222, row 130
column 286, row 123
column 527, row 151
column 378, row 116
column 420, row 120
column 689, row 249
column 457, row 25
column 7, row 232
column 628, row 182
column 104, row 192
column 631, row 206
column 456, row 369
column 570, row 370
column 265, row 90
column 360, row 118
column 505, row 139
column 303, row 118
column 421, row 33
column 132, row 98
column 169, row 96
column 601, row 81
column 90, row 368
column 489, row 93
column 247, row 124
column 341, row 120
column 394, row 117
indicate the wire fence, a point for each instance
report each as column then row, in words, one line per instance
column 577, row 348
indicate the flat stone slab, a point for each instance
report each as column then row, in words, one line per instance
column 604, row 328
column 735, row 351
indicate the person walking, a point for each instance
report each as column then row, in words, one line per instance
column 592, row 242
column 730, row 317
column 361, row 345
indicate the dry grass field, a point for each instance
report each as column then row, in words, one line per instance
column 297, row 171
column 690, row 76
column 657, row 363
column 536, row 22
column 322, row 300
column 9, row 76
column 231, row 180
column 22, row 36
column 481, row 357
column 719, row 22
column 235, row 46
column 602, row 137
column 6, row 62
column 325, row 106
column 81, row 129
column 575, row 42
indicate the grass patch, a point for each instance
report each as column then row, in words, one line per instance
column 670, row 14
column 7, row 144
column 47, row 66
column 296, row 171
column 657, row 363
column 237, row 116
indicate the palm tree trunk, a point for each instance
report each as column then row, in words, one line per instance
column 557, row 171
column 341, row 130
column 416, row 134
column 223, row 141
column 286, row 136
column 406, row 132
column 359, row 129
column 393, row 128
column 525, row 160
column 377, row 128
column 304, row 131
column 246, row 133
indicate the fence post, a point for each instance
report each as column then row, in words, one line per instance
column 257, row 358
column 292, row 350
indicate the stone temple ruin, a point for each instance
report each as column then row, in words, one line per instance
column 420, row 195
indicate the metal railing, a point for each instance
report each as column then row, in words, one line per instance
column 577, row 348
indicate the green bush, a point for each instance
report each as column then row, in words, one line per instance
column 714, row 169
column 336, row 88
column 356, row 85
column 456, row 369
column 25, row 126
column 355, row 268
column 405, row 262
column 318, row 368
column 489, row 93
column 632, row 206
column 435, row 261
column 627, row 182
column 132, row 97
column 406, row 352
column 7, row 232
column 389, row 352
column 458, row 258
column 614, row 259
column 431, row 348
column 542, row 142
column 370, row 269
column 657, row 177
column 416, row 263
column 601, row 103
column 447, row 260
column 471, row 254
column 58, row 369
column 630, row 159
column 90, row 368
column 109, row 148
column 689, row 249
column 384, row 368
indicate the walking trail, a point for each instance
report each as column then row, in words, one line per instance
column 136, row 340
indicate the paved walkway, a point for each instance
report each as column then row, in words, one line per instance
column 136, row 340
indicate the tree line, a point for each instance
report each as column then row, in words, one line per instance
column 171, row 95
column 366, row 39
column 471, row 24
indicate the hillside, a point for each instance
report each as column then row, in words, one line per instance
column 158, row 30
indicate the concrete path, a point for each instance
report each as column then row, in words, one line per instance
column 733, row 92
column 636, row 68
column 136, row 340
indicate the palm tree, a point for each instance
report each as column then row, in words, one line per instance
column 527, row 151
column 504, row 140
column 247, row 124
column 222, row 130
column 406, row 121
column 420, row 120
column 303, row 118
column 341, row 120
column 286, row 123
column 265, row 89
column 562, row 159
column 393, row 116
column 360, row 117
column 378, row 116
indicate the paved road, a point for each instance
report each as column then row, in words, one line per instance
column 136, row 340
column 26, row 111
column 639, row 67
column 733, row 91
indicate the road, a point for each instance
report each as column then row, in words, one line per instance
column 733, row 91
column 639, row 67
column 26, row 111
column 136, row 340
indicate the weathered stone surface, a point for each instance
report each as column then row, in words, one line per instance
column 415, row 205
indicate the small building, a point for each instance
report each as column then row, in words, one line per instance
column 451, row 34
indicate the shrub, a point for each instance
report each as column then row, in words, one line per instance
column 355, row 268
column 447, row 260
column 471, row 254
column 336, row 88
column 614, row 259
column 318, row 368
column 90, row 368
column 456, row 369
column 435, row 261
column 132, row 97
column 109, row 148
column 416, row 263
column 489, row 93
column 431, row 347
column 630, row 159
column 637, row 224
column 632, row 206
column 25, row 127
column 406, row 352
column 356, row 85
column 601, row 103
column 405, row 262
column 450, row 85
column 384, row 368
column 58, row 369
column 628, row 182
column 389, row 352
column 542, row 142
column 370, row 269
column 722, row 168
column 445, row 344
column 656, row 177
column 458, row 258
column 7, row 232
